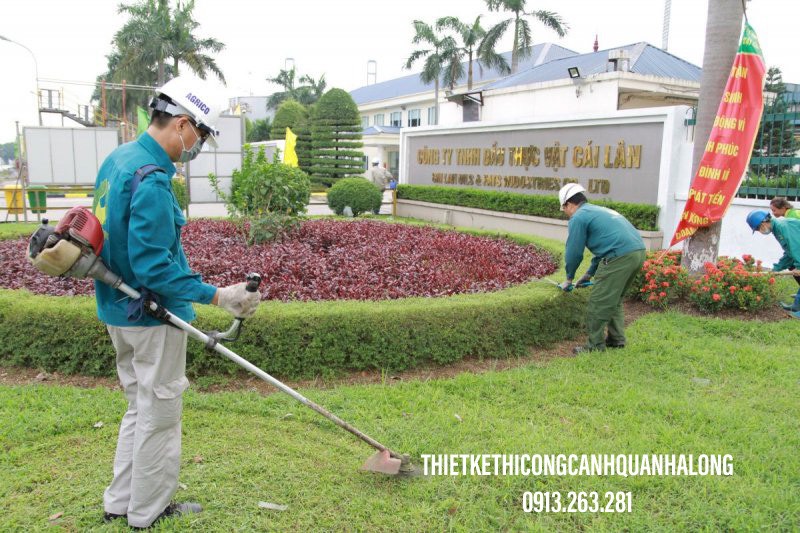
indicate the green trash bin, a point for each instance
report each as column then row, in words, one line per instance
column 37, row 198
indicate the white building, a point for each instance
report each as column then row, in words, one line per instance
column 551, row 82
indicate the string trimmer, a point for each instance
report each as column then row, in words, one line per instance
column 72, row 250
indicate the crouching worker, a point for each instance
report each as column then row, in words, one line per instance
column 619, row 253
column 142, row 224
column 787, row 233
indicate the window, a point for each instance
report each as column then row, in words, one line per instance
column 378, row 119
column 396, row 119
column 414, row 118
column 472, row 111
column 431, row 116
column 364, row 122
column 365, row 162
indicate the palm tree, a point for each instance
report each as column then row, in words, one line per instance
column 286, row 79
column 189, row 49
column 723, row 27
column 312, row 90
column 471, row 36
column 154, row 34
column 436, row 56
column 522, row 44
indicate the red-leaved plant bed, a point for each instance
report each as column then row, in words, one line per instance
column 329, row 260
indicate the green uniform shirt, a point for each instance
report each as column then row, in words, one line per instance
column 143, row 236
column 787, row 232
column 605, row 232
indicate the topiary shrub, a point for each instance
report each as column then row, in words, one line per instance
column 358, row 193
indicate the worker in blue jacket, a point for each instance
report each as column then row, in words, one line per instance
column 142, row 225
column 619, row 253
column 787, row 232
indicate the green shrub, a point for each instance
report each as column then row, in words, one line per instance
column 336, row 137
column 180, row 192
column 661, row 280
column 269, row 196
column 308, row 339
column 289, row 115
column 727, row 284
column 643, row 217
column 733, row 284
column 358, row 193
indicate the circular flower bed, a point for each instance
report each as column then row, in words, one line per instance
column 329, row 260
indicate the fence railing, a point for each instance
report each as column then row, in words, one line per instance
column 775, row 162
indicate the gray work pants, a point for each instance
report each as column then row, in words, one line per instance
column 151, row 363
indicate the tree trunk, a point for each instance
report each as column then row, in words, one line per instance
column 469, row 74
column 515, row 47
column 723, row 29
column 436, row 97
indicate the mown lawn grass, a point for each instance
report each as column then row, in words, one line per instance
column 644, row 399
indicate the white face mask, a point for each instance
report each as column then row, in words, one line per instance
column 191, row 153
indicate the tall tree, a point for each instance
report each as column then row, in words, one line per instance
column 149, row 48
column 436, row 55
column 336, row 138
column 312, row 90
column 522, row 43
column 289, row 115
column 309, row 92
column 286, row 79
column 723, row 28
column 155, row 33
column 189, row 49
column 471, row 36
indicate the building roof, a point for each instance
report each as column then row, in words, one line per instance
column 644, row 59
column 377, row 130
column 411, row 84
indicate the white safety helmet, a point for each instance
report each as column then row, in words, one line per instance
column 193, row 97
column 375, row 161
column 568, row 191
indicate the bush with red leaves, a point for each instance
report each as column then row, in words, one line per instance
column 329, row 260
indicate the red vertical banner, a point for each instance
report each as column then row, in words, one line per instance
column 730, row 143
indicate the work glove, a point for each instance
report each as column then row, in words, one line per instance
column 584, row 281
column 236, row 300
column 566, row 286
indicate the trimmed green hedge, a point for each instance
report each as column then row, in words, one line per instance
column 643, row 217
column 307, row 339
column 303, row 339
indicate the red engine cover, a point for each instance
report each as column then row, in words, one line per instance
column 81, row 225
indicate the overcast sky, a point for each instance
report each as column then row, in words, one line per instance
column 70, row 39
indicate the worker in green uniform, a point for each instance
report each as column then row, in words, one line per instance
column 781, row 207
column 787, row 232
column 619, row 253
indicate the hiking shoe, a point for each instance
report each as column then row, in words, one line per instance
column 174, row 510
column 615, row 345
column 110, row 517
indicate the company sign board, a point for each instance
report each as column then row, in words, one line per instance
column 612, row 161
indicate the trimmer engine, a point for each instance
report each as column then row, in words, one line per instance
column 71, row 249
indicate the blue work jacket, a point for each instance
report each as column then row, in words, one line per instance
column 143, row 236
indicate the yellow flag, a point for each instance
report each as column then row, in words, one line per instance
column 289, row 155
column 238, row 110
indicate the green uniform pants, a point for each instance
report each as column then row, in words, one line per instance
column 611, row 281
